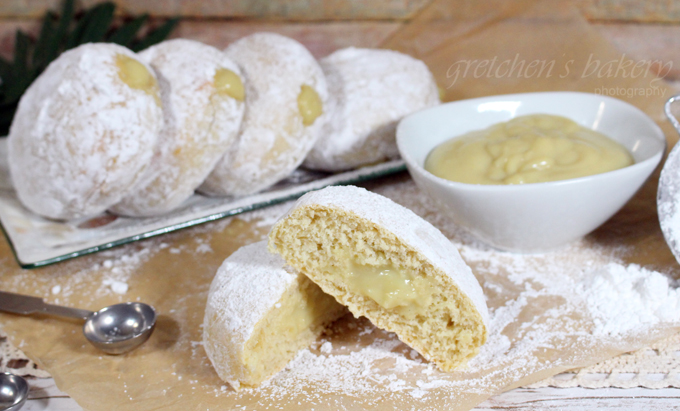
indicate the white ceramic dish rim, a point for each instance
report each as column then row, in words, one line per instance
column 655, row 158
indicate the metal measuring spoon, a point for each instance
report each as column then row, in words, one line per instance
column 13, row 392
column 115, row 330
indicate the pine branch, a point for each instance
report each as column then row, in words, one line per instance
column 155, row 36
column 128, row 31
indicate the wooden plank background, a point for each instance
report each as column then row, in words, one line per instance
column 307, row 10
column 648, row 11
column 326, row 25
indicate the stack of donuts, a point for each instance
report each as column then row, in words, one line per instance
column 104, row 128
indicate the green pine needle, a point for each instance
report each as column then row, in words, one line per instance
column 155, row 36
column 127, row 32
column 47, row 32
column 93, row 25
column 63, row 32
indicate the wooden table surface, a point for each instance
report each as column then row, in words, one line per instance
column 642, row 30
column 45, row 396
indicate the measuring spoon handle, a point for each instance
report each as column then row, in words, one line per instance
column 24, row 304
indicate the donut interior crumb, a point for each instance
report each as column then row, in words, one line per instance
column 326, row 243
column 293, row 323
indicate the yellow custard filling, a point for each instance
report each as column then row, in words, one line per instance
column 291, row 324
column 309, row 104
column 136, row 76
column 228, row 83
column 391, row 287
column 299, row 316
column 529, row 149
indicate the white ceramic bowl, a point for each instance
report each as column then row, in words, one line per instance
column 541, row 216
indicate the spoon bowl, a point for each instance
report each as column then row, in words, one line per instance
column 120, row 328
column 13, row 392
column 116, row 329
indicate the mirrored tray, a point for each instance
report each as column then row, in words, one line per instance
column 37, row 241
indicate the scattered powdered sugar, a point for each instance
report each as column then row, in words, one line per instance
column 548, row 312
column 622, row 299
column 118, row 287
column 359, row 367
column 326, row 347
column 121, row 264
column 111, row 275
column 203, row 248
column 386, row 367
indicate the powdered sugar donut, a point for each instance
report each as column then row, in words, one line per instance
column 389, row 265
column 668, row 201
column 84, row 131
column 202, row 94
column 259, row 314
column 286, row 96
column 370, row 90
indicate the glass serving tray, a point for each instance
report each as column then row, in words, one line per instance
column 37, row 241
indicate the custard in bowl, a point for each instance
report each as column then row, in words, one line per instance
column 527, row 216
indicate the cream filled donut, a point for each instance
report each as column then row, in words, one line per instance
column 260, row 313
column 84, row 132
column 668, row 201
column 370, row 90
column 203, row 104
column 387, row 264
column 285, row 110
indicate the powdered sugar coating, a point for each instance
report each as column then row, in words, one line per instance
column 247, row 285
column 81, row 137
column 370, row 90
column 408, row 227
column 668, row 201
column 273, row 140
column 199, row 125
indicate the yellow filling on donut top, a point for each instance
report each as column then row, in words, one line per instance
column 136, row 76
column 229, row 83
column 391, row 287
column 309, row 104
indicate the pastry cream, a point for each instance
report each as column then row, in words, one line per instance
column 387, row 285
column 309, row 104
column 294, row 318
column 135, row 75
column 299, row 316
column 229, row 83
column 529, row 149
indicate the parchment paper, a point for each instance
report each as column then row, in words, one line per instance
column 173, row 273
